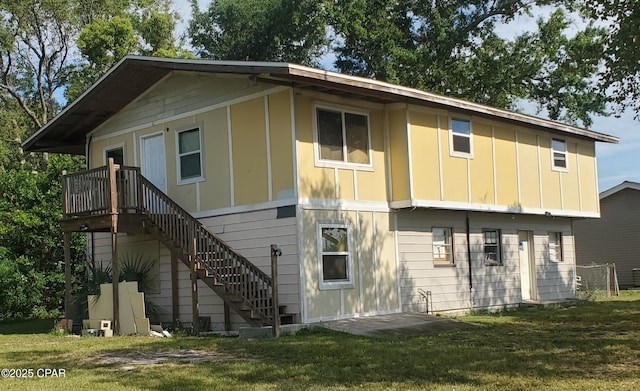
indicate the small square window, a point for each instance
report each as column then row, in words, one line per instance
column 559, row 152
column 442, row 239
column 460, row 138
column 492, row 247
column 335, row 255
column 189, row 155
column 116, row 153
column 555, row 246
column 343, row 136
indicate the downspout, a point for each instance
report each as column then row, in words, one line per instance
column 469, row 261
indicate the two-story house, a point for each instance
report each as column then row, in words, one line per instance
column 378, row 195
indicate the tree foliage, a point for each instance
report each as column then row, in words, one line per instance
column 48, row 47
column 448, row 47
column 31, row 252
column 620, row 77
column 452, row 48
column 36, row 38
column 115, row 28
column 273, row 30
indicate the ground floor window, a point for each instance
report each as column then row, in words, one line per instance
column 442, row 246
column 335, row 260
column 492, row 244
column 555, row 246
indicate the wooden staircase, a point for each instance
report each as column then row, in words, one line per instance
column 242, row 285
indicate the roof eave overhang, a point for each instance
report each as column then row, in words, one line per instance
column 131, row 76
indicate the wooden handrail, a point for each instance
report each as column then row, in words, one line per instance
column 89, row 193
column 237, row 274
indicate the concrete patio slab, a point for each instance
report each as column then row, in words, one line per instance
column 406, row 323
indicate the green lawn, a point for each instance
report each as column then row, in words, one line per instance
column 592, row 346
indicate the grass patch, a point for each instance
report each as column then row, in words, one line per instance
column 593, row 345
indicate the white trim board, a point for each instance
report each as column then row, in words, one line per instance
column 519, row 210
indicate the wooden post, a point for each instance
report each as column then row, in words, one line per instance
column 175, row 299
column 275, row 252
column 67, row 250
column 68, row 313
column 115, row 267
column 65, row 194
column 194, row 281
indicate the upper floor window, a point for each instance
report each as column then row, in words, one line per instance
column 343, row 136
column 117, row 153
column 492, row 243
column 460, row 138
column 559, row 150
column 189, row 155
column 442, row 246
column 555, row 246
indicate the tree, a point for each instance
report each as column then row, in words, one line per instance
column 621, row 74
column 116, row 28
column 31, row 252
column 259, row 30
column 37, row 63
column 451, row 47
column 36, row 38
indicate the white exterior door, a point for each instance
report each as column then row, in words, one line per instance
column 527, row 265
column 153, row 162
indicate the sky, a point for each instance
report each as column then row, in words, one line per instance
column 616, row 162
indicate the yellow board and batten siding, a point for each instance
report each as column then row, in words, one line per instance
column 506, row 167
column 481, row 166
column 240, row 141
column 248, row 133
column 280, row 130
column 588, row 176
column 374, row 288
column 318, row 182
column 424, row 158
column 399, row 151
column 529, row 170
column 372, row 184
column 455, row 176
column 510, row 168
column 551, row 193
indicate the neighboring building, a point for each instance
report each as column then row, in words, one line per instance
column 614, row 237
column 373, row 191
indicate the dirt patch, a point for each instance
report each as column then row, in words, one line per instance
column 130, row 360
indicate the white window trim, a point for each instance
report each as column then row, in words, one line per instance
column 453, row 152
column 499, row 245
column 334, row 163
column 200, row 178
column 451, row 263
column 558, row 248
column 348, row 283
column 565, row 152
column 111, row 148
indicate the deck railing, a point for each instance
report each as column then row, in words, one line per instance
column 238, row 275
column 87, row 193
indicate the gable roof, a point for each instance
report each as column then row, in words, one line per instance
column 623, row 186
column 133, row 75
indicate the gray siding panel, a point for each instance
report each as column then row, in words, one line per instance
column 250, row 234
column 615, row 237
column 493, row 286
